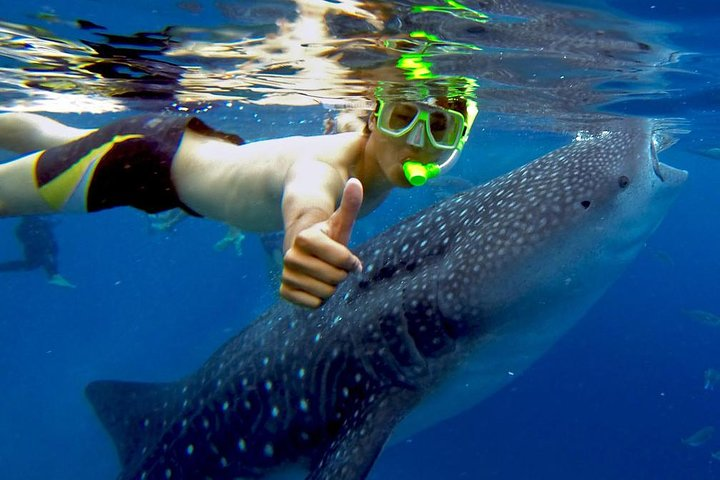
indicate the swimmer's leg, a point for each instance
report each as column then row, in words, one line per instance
column 235, row 237
column 28, row 132
column 19, row 193
column 49, row 264
column 167, row 220
column 60, row 281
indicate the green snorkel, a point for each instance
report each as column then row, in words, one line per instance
column 417, row 174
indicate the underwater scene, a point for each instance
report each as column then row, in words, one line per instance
column 547, row 308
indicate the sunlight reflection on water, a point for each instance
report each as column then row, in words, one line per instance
column 527, row 59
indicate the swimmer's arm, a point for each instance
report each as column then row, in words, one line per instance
column 28, row 132
column 310, row 193
column 316, row 255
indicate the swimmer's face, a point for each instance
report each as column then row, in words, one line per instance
column 392, row 152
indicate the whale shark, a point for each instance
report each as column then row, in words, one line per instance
column 450, row 300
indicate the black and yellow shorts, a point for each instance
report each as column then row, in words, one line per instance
column 126, row 163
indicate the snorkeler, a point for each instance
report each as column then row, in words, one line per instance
column 40, row 250
column 155, row 163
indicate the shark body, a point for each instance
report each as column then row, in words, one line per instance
column 450, row 300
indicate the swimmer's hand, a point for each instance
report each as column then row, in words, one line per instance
column 318, row 259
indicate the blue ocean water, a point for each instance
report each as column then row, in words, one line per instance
column 612, row 400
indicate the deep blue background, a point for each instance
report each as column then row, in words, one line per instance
column 611, row 401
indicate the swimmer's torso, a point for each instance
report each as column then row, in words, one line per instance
column 251, row 177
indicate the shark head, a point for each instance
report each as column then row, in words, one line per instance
column 563, row 224
column 527, row 254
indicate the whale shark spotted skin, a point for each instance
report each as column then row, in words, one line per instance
column 450, row 300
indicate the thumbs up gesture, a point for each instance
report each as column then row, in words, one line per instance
column 318, row 258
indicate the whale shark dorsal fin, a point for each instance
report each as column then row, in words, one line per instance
column 361, row 439
column 133, row 413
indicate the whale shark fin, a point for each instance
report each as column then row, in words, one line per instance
column 133, row 413
column 360, row 441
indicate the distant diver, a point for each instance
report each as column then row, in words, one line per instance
column 40, row 249
column 712, row 378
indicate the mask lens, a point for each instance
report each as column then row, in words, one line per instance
column 439, row 126
column 397, row 118
column 445, row 128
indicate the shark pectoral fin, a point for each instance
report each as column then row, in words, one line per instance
column 353, row 453
column 133, row 413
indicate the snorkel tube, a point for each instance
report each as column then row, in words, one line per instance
column 417, row 174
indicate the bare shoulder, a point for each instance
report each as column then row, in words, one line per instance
column 316, row 145
column 322, row 147
column 339, row 150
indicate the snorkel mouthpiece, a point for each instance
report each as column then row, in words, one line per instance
column 417, row 173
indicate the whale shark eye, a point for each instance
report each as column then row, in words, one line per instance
column 585, row 204
column 623, row 181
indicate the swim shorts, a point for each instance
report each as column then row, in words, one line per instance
column 125, row 163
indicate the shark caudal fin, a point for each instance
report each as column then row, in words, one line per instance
column 133, row 413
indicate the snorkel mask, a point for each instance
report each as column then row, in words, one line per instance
column 422, row 123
